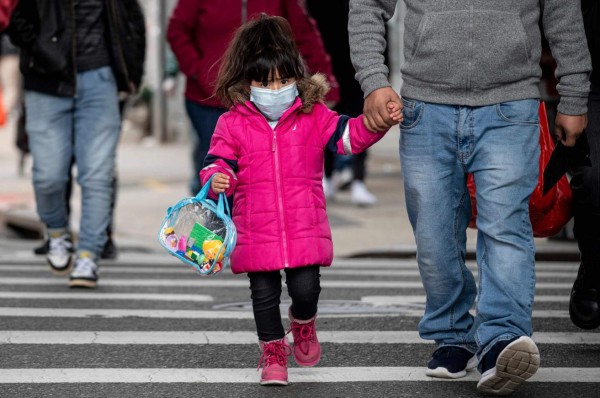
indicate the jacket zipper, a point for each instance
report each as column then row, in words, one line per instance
column 280, row 200
column 470, row 56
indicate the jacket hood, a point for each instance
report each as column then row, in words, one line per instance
column 310, row 90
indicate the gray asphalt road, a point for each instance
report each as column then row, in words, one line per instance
column 155, row 329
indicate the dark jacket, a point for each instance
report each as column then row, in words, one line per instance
column 591, row 20
column 44, row 30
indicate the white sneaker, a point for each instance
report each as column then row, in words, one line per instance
column 361, row 195
column 344, row 178
column 328, row 188
column 85, row 272
column 59, row 253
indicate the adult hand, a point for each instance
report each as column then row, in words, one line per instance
column 569, row 128
column 376, row 114
column 219, row 183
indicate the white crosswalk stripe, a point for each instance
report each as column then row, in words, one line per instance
column 228, row 338
column 213, row 282
column 323, row 375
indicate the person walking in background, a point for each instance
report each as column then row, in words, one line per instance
column 584, row 307
column 267, row 152
column 6, row 9
column 470, row 105
column 199, row 32
column 75, row 58
column 332, row 19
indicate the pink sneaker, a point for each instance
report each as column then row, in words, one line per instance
column 307, row 350
column 274, row 357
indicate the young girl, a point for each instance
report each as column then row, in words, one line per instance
column 267, row 151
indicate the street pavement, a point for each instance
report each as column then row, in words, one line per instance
column 155, row 328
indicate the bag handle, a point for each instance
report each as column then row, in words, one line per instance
column 222, row 203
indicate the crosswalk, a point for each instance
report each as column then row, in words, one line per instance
column 154, row 328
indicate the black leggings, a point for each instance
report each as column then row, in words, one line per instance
column 304, row 287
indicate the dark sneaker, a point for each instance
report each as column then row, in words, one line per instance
column 85, row 272
column 43, row 248
column 584, row 306
column 59, row 255
column 507, row 365
column 450, row 362
column 109, row 252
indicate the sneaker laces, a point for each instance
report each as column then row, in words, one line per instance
column 60, row 245
column 274, row 352
column 303, row 333
column 85, row 265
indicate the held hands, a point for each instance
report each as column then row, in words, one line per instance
column 382, row 109
column 569, row 128
column 219, row 183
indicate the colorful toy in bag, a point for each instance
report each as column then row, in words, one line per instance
column 199, row 232
column 548, row 212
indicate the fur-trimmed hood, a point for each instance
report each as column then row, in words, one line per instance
column 310, row 90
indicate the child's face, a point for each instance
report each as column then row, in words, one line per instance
column 274, row 83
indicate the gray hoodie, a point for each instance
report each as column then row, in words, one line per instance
column 474, row 52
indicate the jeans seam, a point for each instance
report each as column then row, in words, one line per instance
column 457, row 252
column 480, row 277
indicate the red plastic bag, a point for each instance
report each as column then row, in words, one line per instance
column 548, row 213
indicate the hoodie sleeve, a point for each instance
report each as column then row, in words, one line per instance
column 221, row 158
column 342, row 134
column 366, row 29
column 563, row 27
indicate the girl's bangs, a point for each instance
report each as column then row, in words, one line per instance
column 264, row 67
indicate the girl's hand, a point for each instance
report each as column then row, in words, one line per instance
column 219, row 183
column 395, row 111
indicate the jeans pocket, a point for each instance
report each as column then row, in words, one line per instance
column 412, row 112
column 105, row 74
column 519, row 112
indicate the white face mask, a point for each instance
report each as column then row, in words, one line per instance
column 272, row 103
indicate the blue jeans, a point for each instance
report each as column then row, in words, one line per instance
column 86, row 126
column 499, row 144
column 204, row 120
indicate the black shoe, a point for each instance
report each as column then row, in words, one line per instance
column 450, row 362
column 584, row 307
column 43, row 249
column 109, row 252
column 507, row 365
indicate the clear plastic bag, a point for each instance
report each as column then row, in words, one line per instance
column 199, row 232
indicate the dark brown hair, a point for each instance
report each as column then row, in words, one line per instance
column 259, row 48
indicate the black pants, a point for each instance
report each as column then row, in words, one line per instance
column 304, row 287
column 586, row 187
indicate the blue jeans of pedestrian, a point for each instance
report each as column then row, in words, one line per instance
column 499, row 144
column 204, row 120
column 87, row 127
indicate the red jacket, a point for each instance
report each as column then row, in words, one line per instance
column 200, row 31
column 6, row 9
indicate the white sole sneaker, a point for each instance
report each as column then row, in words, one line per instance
column 58, row 265
column 444, row 373
column 516, row 363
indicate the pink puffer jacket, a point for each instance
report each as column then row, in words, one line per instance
column 279, row 207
